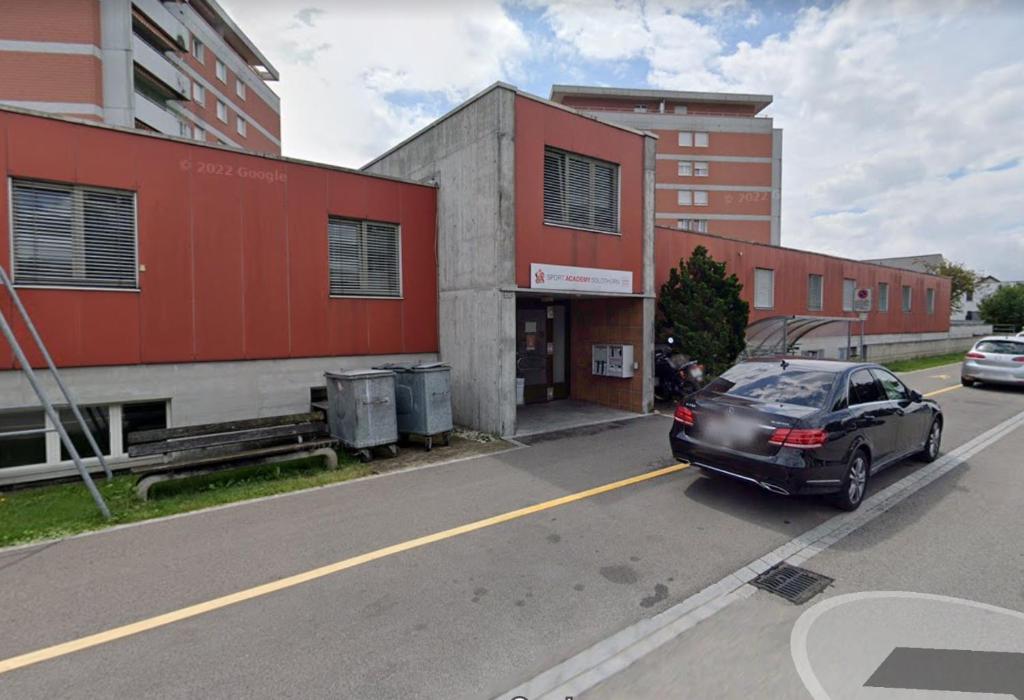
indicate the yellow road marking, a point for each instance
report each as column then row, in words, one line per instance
column 134, row 628
column 943, row 391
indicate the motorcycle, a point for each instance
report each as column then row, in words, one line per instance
column 676, row 376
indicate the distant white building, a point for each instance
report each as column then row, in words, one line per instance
column 968, row 306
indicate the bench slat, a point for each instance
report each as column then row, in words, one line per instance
column 143, row 436
column 145, row 469
column 190, row 443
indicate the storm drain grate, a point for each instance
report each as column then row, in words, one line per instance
column 792, row 583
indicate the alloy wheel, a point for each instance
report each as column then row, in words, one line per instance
column 933, row 440
column 858, row 479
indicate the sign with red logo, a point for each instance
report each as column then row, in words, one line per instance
column 862, row 299
column 580, row 279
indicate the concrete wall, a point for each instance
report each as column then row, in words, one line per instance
column 898, row 346
column 470, row 155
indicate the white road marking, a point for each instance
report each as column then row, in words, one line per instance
column 579, row 673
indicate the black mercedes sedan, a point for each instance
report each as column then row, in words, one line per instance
column 801, row 427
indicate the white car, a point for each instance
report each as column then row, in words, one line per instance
column 994, row 360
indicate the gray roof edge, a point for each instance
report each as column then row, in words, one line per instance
column 243, row 37
column 693, row 96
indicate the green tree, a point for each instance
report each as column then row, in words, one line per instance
column 1004, row 307
column 963, row 281
column 701, row 308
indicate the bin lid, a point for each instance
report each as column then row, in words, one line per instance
column 430, row 367
column 358, row 373
column 396, row 366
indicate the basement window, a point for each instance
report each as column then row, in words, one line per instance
column 580, row 192
column 73, row 236
column 364, row 258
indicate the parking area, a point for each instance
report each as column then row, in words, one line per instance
column 462, row 580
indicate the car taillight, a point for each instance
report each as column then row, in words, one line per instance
column 1019, row 359
column 975, row 356
column 804, row 438
column 684, row 415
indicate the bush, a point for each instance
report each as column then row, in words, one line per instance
column 1005, row 307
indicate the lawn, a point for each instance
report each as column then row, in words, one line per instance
column 59, row 510
column 924, row 362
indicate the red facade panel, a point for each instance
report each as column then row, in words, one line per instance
column 65, row 21
column 234, row 251
column 539, row 125
column 792, row 268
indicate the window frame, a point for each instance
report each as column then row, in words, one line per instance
column 929, row 300
column 706, row 138
column 198, row 89
column 820, row 303
column 198, row 50
column 880, row 390
column 701, row 194
column 685, row 139
column 851, row 285
column 593, row 162
column 756, row 288
column 134, row 289
column 688, row 167
column 686, row 195
column 906, row 298
column 220, row 69
column 222, row 107
column 697, row 168
column 240, row 89
column 883, row 307
column 241, row 126
column 362, row 225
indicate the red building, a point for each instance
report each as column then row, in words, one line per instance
column 177, row 67
column 177, row 282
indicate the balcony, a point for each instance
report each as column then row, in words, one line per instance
column 161, row 27
column 156, row 116
column 162, row 72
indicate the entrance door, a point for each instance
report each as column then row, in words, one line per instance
column 542, row 349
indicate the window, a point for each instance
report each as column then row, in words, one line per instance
column 893, row 387
column 686, row 138
column 700, row 139
column 764, row 288
column 1000, row 347
column 580, row 192
column 222, row 111
column 907, row 298
column 685, row 168
column 864, row 388
column 222, row 71
column 769, row 382
column 73, row 236
column 685, row 198
column 97, row 421
column 679, row 109
column 22, row 449
column 929, row 296
column 698, row 225
column 969, row 296
column 849, row 288
column 185, row 129
column 700, row 169
column 700, row 199
column 640, row 108
column 198, row 50
column 199, row 134
column 814, row 292
column 239, row 88
column 241, row 126
column 151, row 415
column 883, row 296
column 364, row 258
column 198, row 93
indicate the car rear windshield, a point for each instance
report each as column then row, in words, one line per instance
column 771, row 383
column 1001, row 347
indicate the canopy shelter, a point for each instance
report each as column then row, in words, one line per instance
column 780, row 335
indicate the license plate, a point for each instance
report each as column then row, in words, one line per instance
column 730, row 431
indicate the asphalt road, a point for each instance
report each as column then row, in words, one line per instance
column 469, row 615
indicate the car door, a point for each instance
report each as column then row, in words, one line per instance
column 873, row 414
column 912, row 418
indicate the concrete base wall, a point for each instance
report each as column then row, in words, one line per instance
column 896, row 346
column 199, row 392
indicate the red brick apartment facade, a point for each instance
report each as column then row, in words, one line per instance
column 719, row 164
column 178, row 67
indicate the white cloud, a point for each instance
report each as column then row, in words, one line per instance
column 342, row 63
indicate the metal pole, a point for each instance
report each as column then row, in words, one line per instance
column 785, row 336
column 847, row 351
column 862, row 348
column 52, row 415
column 53, row 370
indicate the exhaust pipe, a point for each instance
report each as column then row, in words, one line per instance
column 773, row 488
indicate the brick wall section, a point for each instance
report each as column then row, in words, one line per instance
column 43, row 77
column 66, row 21
column 597, row 321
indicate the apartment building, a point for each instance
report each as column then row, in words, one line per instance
column 180, row 68
column 719, row 163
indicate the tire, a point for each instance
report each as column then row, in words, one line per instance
column 934, row 441
column 966, row 382
column 855, row 485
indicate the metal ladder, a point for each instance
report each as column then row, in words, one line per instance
column 44, row 399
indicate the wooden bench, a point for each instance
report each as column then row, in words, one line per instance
column 193, row 450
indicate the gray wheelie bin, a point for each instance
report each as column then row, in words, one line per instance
column 423, row 398
column 361, row 410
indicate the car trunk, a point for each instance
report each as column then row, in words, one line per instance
column 741, row 424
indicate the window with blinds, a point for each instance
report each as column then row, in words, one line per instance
column 73, row 236
column 815, row 289
column 364, row 258
column 580, row 192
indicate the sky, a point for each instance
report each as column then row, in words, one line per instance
column 903, row 121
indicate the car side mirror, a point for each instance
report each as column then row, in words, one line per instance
column 915, row 396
